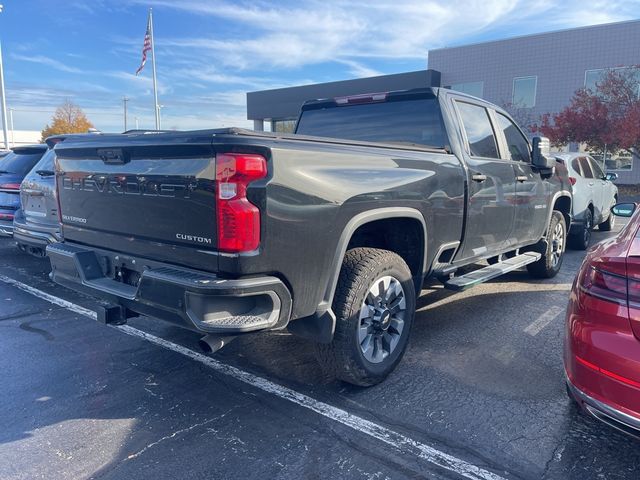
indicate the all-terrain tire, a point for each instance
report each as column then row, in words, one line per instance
column 549, row 264
column 344, row 357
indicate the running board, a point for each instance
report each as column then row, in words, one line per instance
column 485, row 274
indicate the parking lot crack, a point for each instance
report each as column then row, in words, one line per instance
column 179, row 432
column 556, row 457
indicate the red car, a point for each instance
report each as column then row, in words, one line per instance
column 602, row 343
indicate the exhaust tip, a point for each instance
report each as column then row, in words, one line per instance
column 204, row 346
column 213, row 343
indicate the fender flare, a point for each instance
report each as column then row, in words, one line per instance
column 320, row 326
column 556, row 197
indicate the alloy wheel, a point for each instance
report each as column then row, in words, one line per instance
column 382, row 319
column 557, row 244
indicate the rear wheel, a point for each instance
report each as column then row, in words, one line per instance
column 579, row 240
column 549, row 264
column 374, row 306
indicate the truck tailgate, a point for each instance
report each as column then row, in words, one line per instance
column 145, row 199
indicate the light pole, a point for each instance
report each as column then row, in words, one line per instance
column 159, row 118
column 124, row 102
column 3, row 101
column 13, row 142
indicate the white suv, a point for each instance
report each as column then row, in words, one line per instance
column 593, row 196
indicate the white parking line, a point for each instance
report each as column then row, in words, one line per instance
column 543, row 320
column 406, row 445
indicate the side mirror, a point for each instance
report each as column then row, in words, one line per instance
column 541, row 153
column 612, row 177
column 624, row 209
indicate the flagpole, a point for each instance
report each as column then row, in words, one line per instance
column 153, row 68
column 3, row 103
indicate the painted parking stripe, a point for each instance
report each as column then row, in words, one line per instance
column 543, row 320
column 406, row 445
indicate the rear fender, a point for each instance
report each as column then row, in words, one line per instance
column 320, row 326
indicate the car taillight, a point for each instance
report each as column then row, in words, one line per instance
column 238, row 218
column 9, row 186
column 573, row 180
column 604, row 285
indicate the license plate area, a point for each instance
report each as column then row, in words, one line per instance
column 35, row 206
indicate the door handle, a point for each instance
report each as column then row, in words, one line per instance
column 478, row 177
column 521, row 178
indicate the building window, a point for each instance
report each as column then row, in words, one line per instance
column 524, row 92
column 470, row 88
column 593, row 77
column 622, row 162
column 283, row 126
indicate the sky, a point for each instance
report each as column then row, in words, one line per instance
column 210, row 53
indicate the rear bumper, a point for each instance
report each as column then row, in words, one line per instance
column 34, row 235
column 6, row 228
column 602, row 361
column 605, row 412
column 193, row 299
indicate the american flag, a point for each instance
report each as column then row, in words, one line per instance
column 145, row 47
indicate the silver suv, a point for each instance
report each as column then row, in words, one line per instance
column 36, row 224
column 593, row 196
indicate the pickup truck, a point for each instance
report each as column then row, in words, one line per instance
column 329, row 232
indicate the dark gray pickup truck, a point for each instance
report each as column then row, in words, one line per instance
column 329, row 232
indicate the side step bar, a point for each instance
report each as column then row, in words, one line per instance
column 463, row 282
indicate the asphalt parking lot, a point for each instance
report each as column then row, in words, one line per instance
column 480, row 394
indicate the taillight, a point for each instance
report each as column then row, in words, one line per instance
column 9, row 186
column 604, row 285
column 238, row 218
column 58, row 202
column 573, row 180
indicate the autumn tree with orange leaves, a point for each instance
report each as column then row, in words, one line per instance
column 69, row 118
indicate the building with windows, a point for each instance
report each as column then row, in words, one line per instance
column 529, row 75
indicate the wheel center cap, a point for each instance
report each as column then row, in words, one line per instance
column 385, row 319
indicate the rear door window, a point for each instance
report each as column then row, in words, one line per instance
column 480, row 135
column 586, row 168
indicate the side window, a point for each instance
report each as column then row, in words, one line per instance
column 576, row 166
column 586, row 168
column 517, row 143
column 597, row 171
column 482, row 140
